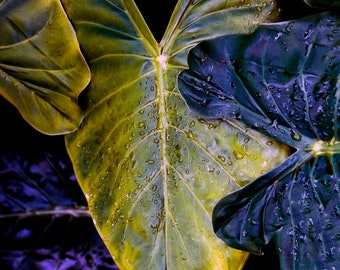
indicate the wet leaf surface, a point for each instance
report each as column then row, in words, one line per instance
column 150, row 170
column 282, row 80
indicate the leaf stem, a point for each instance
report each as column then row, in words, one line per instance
column 80, row 211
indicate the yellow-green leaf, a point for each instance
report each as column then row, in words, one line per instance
column 42, row 70
column 151, row 170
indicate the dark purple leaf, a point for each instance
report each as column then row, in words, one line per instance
column 282, row 80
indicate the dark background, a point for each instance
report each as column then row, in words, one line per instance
column 157, row 12
column 18, row 138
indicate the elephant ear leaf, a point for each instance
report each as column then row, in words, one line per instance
column 283, row 80
column 151, row 171
column 42, row 70
column 295, row 205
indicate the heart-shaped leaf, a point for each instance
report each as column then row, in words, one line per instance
column 42, row 70
column 151, row 170
column 282, row 80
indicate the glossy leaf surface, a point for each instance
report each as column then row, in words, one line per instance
column 282, row 80
column 42, row 70
column 151, row 170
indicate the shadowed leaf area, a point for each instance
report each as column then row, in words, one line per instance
column 282, row 80
column 335, row 4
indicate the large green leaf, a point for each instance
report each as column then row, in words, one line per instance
column 286, row 85
column 151, row 170
column 42, row 70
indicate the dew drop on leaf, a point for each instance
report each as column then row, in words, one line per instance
column 222, row 158
column 210, row 169
column 238, row 155
column 294, row 135
column 150, row 161
column 190, row 135
column 141, row 124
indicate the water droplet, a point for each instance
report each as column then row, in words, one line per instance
column 279, row 35
column 289, row 27
column 190, row 134
column 150, row 161
column 222, row 158
column 295, row 135
column 133, row 164
column 141, row 124
column 238, row 155
column 210, row 169
column 203, row 102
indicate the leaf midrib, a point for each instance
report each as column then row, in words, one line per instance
column 162, row 126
